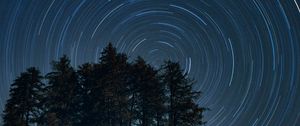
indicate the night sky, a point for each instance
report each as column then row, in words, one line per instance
column 244, row 54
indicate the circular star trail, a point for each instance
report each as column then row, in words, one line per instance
column 245, row 55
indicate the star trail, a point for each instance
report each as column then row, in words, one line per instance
column 244, row 54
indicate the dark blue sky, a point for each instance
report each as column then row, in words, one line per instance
column 244, row 54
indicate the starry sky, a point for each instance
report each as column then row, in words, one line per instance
column 244, row 54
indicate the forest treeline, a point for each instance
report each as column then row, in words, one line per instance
column 112, row 92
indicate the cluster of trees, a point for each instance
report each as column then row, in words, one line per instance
column 112, row 92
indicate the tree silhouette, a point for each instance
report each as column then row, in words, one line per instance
column 108, row 89
column 62, row 91
column 112, row 92
column 182, row 108
column 149, row 94
column 24, row 106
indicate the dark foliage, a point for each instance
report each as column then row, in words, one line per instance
column 182, row 110
column 26, row 93
column 63, row 93
column 112, row 92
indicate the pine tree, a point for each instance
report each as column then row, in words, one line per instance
column 109, row 91
column 62, row 93
column 24, row 107
column 149, row 94
column 182, row 108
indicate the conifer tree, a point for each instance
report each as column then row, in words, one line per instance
column 149, row 95
column 24, row 107
column 62, row 93
column 182, row 108
column 110, row 74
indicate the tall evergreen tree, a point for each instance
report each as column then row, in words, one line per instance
column 110, row 90
column 182, row 108
column 149, row 94
column 62, row 93
column 24, row 107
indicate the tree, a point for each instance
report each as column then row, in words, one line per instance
column 115, row 90
column 62, row 93
column 24, row 107
column 109, row 89
column 149, row 94
column 182, row 108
